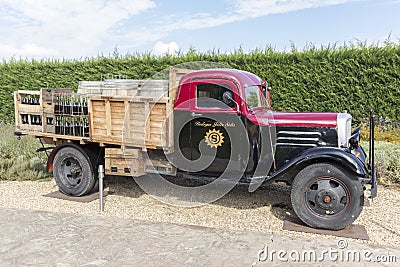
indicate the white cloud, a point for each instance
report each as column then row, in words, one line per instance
column 27, row 50
column 161, row 48
column 72, row 27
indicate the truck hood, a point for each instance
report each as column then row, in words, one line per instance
column 265, row 117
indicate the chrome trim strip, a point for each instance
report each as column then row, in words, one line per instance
column 299, row 133
column 294, row 144
column 298, row 138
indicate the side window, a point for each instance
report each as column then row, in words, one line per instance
column 210, row 95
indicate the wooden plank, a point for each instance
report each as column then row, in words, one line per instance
column 98, row 132
column 118, row 104
column 108, row 117
column 99, row 127
column 28, row 92
column 51, row 135
column 138, row 117
column 116, row 133
column 136, row 123
column 99, row 120
column 126, row 152
column 157, row 118
column 137, row 141
column 117, row 123
column 98, row 108
column 24, row 108
column 137, row 129
column 136, row 105
column 161, row 112
column 127, row 125
column 155, row 132
column 99, row 103
column 155, row 137
column 147, row 121
column 157, row 124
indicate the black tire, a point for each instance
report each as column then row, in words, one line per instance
column 73, row 171
column 326, row 196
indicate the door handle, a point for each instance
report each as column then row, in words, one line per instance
column 194, row 114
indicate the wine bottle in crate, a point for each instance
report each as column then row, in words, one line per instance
column 85, row 127
column 85, row 106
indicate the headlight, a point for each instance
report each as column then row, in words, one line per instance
column 343, row 129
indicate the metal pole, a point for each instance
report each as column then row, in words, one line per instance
column 101, row 178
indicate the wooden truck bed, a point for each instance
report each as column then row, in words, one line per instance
column 144, row 121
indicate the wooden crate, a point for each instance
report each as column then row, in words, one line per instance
column 124, row 162
column 134, row 121
column 27, row 114
column 27, row 122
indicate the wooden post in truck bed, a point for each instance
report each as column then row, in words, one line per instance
column 175, row 75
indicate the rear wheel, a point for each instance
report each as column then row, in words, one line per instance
column 73, row 171
column 326, row 196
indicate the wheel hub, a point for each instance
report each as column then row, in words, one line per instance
column 71, row 171
column 326, row 196
column 327, row 199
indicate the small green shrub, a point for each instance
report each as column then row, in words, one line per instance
column 18, row 158
column 387, row 162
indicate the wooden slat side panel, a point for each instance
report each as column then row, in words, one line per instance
column 124, row 162
column 98, row 118
column 140, row 122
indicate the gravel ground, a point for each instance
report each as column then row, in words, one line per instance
column 261, row 211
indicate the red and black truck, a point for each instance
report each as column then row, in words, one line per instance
column 203, row 124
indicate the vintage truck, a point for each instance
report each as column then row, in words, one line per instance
column 201, row 123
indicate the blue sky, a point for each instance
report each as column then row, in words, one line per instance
column 85, row 28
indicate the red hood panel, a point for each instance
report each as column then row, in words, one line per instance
column 294, row 119
column 328, row 120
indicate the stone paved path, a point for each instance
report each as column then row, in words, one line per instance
column 36, row 238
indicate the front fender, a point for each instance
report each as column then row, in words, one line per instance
column 323, row 154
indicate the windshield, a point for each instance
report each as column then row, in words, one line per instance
column 253, row 97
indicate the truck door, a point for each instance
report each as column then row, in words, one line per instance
column 214, row 125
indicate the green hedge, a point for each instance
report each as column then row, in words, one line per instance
column 352, row 78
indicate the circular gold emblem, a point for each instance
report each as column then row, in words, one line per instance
column 214, row 138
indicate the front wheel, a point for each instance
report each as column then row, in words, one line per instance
column 326, row 196
column 73, row 171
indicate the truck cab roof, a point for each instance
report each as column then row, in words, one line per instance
column 240, row 77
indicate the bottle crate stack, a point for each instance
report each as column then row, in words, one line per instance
column 71, row 114
column 52, row 110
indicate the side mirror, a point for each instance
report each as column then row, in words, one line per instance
column 227, row 97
